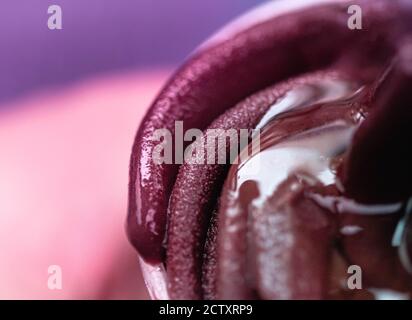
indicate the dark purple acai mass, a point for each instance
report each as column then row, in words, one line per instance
column 330, row 185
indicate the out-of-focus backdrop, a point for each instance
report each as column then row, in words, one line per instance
column 101, row 36
column 70, row 103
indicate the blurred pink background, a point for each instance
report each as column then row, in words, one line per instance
column 70, row 103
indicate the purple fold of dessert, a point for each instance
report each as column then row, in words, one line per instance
column 322, row 185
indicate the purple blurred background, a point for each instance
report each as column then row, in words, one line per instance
column 70, row 103
column 101, row 36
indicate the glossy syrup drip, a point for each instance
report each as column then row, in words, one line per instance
column 306, row 134
column 304, row 131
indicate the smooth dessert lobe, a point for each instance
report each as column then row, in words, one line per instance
column 218, row 77
column 371, row 247
column 293, row 240
column 378, row 167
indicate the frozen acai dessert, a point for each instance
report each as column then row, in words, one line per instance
column 309, row 180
